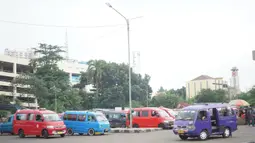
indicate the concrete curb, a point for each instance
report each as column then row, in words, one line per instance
column 134, row 130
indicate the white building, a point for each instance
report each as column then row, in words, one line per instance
column 194, row 86
column 10, row 67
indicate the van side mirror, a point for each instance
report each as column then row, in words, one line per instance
column 42, row 120
column 157, row 115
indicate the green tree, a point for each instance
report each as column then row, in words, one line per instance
column 165, row 99
column 248, row 96
column 208, row 95
column 48, row 82
column 111, row 81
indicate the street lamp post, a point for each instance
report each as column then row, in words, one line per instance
column 129, row 66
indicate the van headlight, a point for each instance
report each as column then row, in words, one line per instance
column 166, row 121
column 50, row 127
column 191, row 127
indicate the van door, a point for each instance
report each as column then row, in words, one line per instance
column 38, row 124
column 81, row 124
column 31, row 123
column 203, row 121
column 92, row 123
column 145, row 120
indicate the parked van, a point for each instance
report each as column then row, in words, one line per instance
column 85, row 122
column 150, row 117
column 204, row 120
column 7, row 127
column 170, row 112
column 116, row 118
column 40, row 122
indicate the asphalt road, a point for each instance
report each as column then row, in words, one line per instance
column 244, row 134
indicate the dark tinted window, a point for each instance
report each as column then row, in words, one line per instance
column 91, row 118
column 30, row 117
column 70, row 117
column 9, row 119
column 145, row 113
column 81, row 117
column 38, row 118
column 21, row 116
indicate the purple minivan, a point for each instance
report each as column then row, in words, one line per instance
column 204, row 120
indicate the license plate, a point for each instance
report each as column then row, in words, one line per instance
column 180, row 132
column 60, row 132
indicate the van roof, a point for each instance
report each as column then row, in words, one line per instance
column 147, row 108
column 25, row 111
column 206, row 106
column 81, row 112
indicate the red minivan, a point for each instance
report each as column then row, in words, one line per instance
column 170, row 112
column 40, row 122
column 148, row 117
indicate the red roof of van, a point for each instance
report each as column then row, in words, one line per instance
column 35, row 111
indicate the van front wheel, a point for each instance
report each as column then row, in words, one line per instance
column 91, row 132
column 226, row 133
column 21, row 133
column 45, row 134
column 183, row 137
column 203, row 135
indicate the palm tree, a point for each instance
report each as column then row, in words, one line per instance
column 95, row 71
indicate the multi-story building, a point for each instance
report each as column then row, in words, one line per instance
column 10, row 67
column 194, row 86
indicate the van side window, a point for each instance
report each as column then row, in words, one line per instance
column 21, row 117
column 91, row 118
column 30, row 117
column 81, row 117
column 145, row 113
column 9, row 119
column 230, row 111
column 153, row 113
column 220, row 111
column 202, row 115
column 136, row 114
column 71, row 117
column 38, row 118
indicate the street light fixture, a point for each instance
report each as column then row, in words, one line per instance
column 129, row 66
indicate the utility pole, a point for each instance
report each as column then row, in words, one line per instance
column 129, row 66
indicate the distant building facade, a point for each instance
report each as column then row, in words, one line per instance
column 194, row 86
column 13, row 63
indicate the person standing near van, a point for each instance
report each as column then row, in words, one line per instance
column 251, row 117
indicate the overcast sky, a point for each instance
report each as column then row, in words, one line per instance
column 178, row 39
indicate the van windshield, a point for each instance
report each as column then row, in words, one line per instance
column 51, row 117
column 186, row 115
column 101, row 118
column 163, row 114
column 172, row 112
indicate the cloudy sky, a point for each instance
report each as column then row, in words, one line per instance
column 178, row 39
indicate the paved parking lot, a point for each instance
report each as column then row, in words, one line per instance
column 244, row 134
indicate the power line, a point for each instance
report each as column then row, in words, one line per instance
column 59, row 26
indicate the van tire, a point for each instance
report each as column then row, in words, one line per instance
column 21, row 133
column 45, row 134
column 136, row 126
column 161, row 126
column 226, row 133
column 203, row 135
column 70, row 132
column 182, row 137
column 91, row 132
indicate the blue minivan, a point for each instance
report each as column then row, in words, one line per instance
column 85, row 122
column 7, row 127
